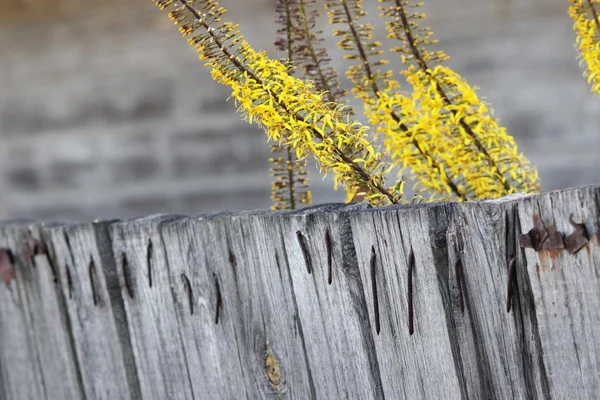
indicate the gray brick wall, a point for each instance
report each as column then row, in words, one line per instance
column 106, row 112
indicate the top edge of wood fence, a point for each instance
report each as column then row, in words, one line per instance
column 317, row 208
column 495, row 299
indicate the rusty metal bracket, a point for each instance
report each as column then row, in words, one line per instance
column 578, row 239
column 539, row 238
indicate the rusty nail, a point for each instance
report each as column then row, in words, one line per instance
column 578, row 239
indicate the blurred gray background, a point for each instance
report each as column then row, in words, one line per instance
column 105, row 110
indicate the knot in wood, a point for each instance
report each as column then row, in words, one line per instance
column 440, row 239
column 272, row 369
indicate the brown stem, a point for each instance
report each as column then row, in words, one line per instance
column 361, row 50
column 290, row 176
column 394, row 116
column 290, row 51
column 425, row 68
column 347, row 160
column 595, row 14
column 313, row 55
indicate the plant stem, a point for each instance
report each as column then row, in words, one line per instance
column 425, row 68
column 394, row 116
column 357, row 168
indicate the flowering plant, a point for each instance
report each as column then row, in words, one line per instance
column 439, row 129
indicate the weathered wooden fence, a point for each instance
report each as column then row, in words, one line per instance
column 331, row 302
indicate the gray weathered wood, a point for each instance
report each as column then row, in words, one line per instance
column 333, row 317
column 317, row 303
column 21, row 375
column 89, row 284
column 566, row 292
column 257, row 296
column 491, row 343
column 211, row 352
column 415, row 365
column 150, row 309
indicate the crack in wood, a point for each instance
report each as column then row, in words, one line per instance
column 277, row 260
column 187, row 287
column 51, row 263
column 69, row 281
column 411, row 267
column 149, row 254
column 458, row 269
column 92, row 276
column 219, row 304
column 512, row 272
column 329, row 257
column 232, row 259
column 126, row 279
column 373, row 263
column 304, row 247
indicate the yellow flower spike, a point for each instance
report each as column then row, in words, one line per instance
column 457, row 129
column 383, row 113
column 586, row 24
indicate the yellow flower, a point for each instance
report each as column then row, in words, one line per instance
column 586, row 24
column 290, row 110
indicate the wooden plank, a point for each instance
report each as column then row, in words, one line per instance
column 20, row 370
column 566, row 291
column 91, row 290
column 420, row 365
column 195, row 261
column 257, row 298
column 148, row 297
column 493, row 347
column 331, row 307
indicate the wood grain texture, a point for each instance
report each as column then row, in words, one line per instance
column 333, row 317
column 566, row 292
column 415, row 365
column 334, row 301
column 150, row 309
column 20, row 369
column 258, row 299
column 94, row 306
column 211, row 352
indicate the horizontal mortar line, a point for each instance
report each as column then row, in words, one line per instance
column 220, row 184
column 121, row 129
column 515, row 13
